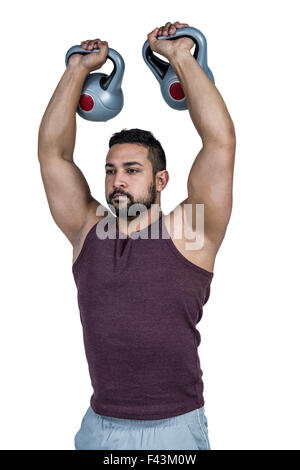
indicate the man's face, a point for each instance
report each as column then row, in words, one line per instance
column 129, row 173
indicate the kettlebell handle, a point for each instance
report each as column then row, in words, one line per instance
column 114, row 80
column 160, row 66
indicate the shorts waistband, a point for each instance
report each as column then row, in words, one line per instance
column 192, row 417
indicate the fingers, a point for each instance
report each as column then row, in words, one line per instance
column 170, row 28
column 93, row 44
column 152, row 36
column 180, row 25
column 103, row 49
column 90, row 44
column 166, row 28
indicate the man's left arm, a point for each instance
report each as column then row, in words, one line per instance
column 211, row 176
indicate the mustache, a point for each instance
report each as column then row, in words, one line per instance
column 119, row 192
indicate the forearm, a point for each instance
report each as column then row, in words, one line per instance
column 206, row 106
column 57, row 130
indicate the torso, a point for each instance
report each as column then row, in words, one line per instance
column 204, row 257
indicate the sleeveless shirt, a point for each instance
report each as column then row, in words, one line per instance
column 140, row 300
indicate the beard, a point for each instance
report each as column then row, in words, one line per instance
column 140, row 205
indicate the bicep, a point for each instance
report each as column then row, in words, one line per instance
column 210, row 183
column 68, row 194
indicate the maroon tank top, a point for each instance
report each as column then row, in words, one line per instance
column 139, row 301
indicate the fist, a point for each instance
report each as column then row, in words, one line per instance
column 94, row 60
column 169, row 48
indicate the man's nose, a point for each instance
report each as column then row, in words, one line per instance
column 119, row 183
column 119, row 186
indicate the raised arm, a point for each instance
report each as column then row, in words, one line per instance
column 210, row 179
column 67, row 190
column 211, row 176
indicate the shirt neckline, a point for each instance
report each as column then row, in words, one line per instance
column 145, row 229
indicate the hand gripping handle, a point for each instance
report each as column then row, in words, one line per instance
column 160, row 66
column 114, row 80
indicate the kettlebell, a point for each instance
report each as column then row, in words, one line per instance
column 101, row 96
column 170, row 85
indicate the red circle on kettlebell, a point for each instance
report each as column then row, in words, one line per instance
column 176, row 91
column 86, row 102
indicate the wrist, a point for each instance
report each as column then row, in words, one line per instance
column 180, row 56
column 78, row 69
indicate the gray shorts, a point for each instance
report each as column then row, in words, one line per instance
column 188, row 431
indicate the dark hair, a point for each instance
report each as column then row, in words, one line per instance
column 156, row 153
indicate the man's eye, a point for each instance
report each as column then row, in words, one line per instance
column 108, row 172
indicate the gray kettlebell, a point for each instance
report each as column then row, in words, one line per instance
column 170, row 86
column 101, row 96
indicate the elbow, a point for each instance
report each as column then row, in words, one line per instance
column 224, row 140
column 228, row 140
column 231, row 137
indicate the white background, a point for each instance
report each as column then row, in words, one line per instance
column 250, row 328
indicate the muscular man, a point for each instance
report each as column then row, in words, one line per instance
column 140, row 297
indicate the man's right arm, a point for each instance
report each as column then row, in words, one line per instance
column 67, row 190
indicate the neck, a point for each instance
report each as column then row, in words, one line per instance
column 140, row 221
